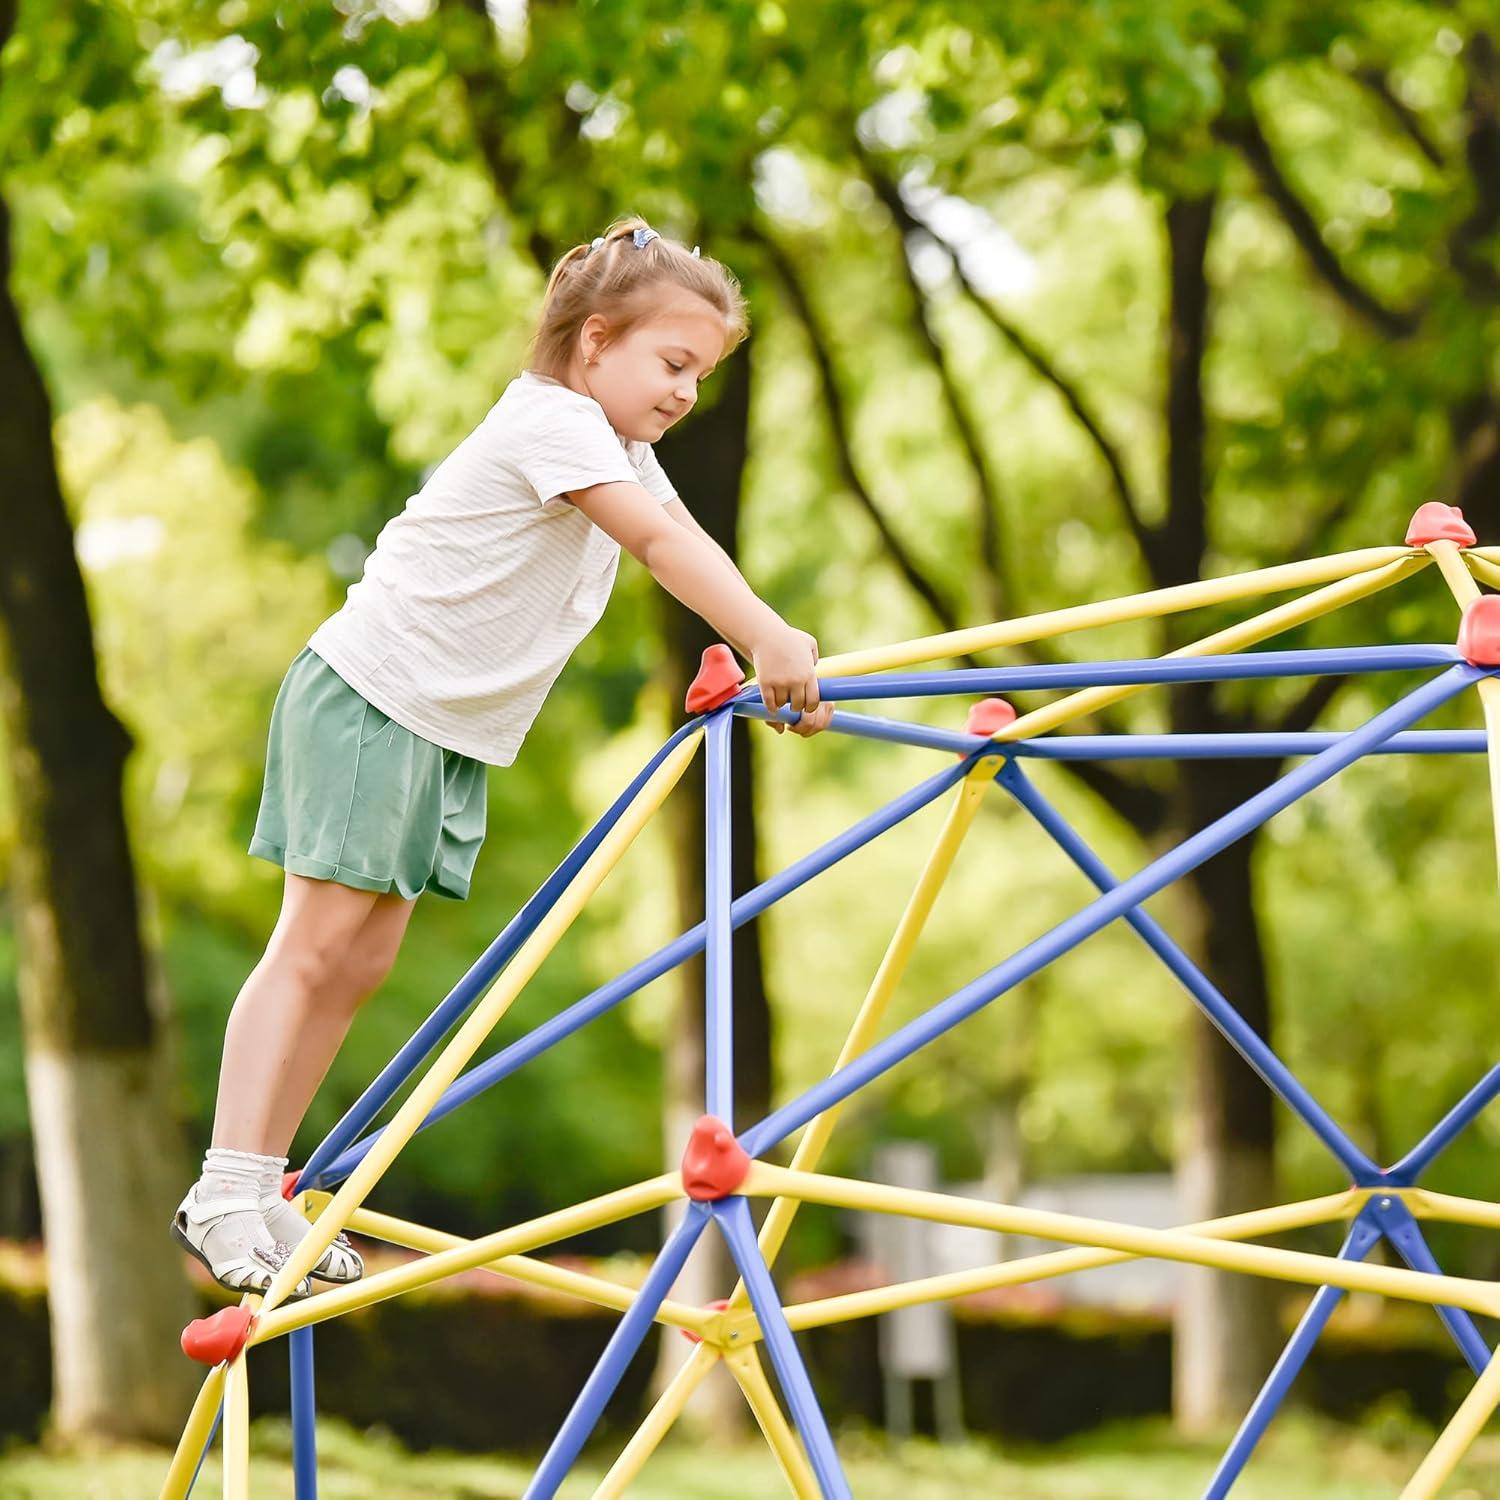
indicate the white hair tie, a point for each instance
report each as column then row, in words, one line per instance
column 640, row 238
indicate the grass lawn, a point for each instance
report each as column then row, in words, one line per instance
column 1301, row 1459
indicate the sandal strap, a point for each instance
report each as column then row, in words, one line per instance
column 255, row 1271
column 251, row 1272
column 200, row 1212
column 245, row 1276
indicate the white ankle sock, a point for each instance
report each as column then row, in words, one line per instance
column 268, row 1180
column 288, row 1226
column 229, row 1175
column 283, row 1220
column 232, row 1174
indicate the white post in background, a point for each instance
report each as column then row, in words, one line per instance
column 916, row 1343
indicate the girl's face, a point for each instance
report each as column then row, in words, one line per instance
column 647, row 380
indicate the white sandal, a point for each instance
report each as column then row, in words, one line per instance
column 340, row 1264
column 252, row 1271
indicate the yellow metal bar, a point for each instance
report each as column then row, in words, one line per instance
column 872, row 1011
column 523, row 1268
column 1484, row 570
column 1426, row 1204
column 1247, row 633
column 1451, row 562
column 467, row 1040
column 609, row 1209
column 236, row 1444
column 647, row 1437
column 1156, row 602
column 815, row 1138
column 1167, row 1244
column 1489, row 702
column 745, row 1366
column 1454, row 1440
column 195, row 1435
column 1034, row 1268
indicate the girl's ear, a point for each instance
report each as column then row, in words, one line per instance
column 593, row 334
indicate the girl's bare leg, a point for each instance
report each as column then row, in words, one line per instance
column 367, row 961
column 331, row 946
column 366, row 964
column 294, row 1010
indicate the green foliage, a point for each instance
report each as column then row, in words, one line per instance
column 1300, row 1459
column 277, row 260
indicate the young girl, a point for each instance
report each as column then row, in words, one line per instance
column 438, row 661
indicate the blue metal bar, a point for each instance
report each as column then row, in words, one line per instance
column 618, row 1353
column 869, row 727
column 1403, row 1231
column 748, row 906
column 733, row 1217
column 1235, row 746
column 1381, row 1218
column 1264, row 746
column 476, row 981
column 208, row 1444
column 1099, row 913
column 304, row 1414
column 1122, row 673
column 718, row 896
column 1362, row 1237
column 1420, row 1157
column 1237, row 1032
column 1389, row 1216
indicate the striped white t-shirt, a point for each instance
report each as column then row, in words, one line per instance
column 479, row 591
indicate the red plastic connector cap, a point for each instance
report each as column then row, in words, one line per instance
column 289, row 1185
column 990, row 717
column 1479, row 634
column 213, row 1340
column 714, row 1164
column 718, row 680
column 1436, row 522
column 717, row 1306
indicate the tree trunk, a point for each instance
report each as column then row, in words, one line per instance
column 107, row 1151
column 1226, row 1334
column 1225, row 1331
column 706, row 462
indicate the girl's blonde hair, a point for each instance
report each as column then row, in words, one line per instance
column 623, row 282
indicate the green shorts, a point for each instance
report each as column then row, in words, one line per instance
column 351, row 796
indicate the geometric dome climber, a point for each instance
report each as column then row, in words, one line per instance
column 721, row 1170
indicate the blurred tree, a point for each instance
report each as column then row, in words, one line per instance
column 959, row 107
column 306, row 170
column 97, row 1071
column 1260, row 324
